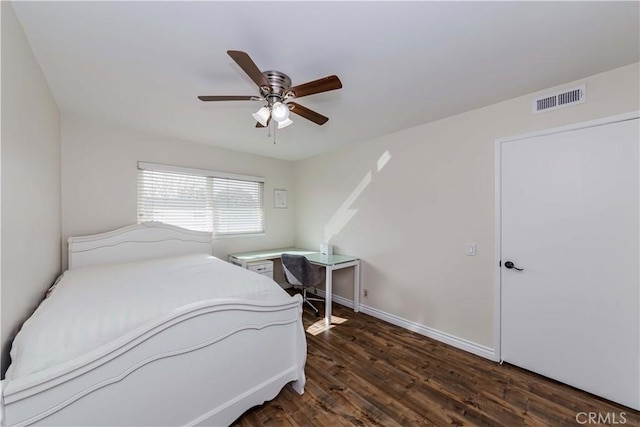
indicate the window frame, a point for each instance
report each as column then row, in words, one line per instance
column 156, row 167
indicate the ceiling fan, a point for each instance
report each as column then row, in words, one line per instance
column 277, row 94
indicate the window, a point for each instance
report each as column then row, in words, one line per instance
column 200, row 200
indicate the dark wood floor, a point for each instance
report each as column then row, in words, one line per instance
column 366, row 372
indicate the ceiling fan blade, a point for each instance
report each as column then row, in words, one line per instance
column 228, row 98
column 308, row 114
column 324, row 84
column 248, row 66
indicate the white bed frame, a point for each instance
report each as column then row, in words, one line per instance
column 205, row 365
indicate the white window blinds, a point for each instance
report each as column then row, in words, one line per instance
column 237, row 206
column 200, row 200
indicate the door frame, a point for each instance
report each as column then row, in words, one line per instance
column 497, row 294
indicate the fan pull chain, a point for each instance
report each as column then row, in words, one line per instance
column 274, row 131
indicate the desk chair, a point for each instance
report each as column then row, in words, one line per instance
column 300, row 273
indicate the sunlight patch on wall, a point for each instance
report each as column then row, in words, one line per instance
column 383, row 160
column 343, row 215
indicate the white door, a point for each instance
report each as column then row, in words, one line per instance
column 570, row 220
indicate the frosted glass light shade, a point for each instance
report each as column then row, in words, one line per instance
column 283, row 124
column 279, row 112
column 262, row 115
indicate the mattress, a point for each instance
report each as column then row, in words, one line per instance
column 92, row 306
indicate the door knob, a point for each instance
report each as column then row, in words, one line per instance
column 511, row 265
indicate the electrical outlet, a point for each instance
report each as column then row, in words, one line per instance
column 366, row 293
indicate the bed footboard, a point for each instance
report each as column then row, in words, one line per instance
column 205, row 364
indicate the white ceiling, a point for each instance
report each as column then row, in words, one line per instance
column 142, row 64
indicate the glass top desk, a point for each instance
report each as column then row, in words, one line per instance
column 330, row 262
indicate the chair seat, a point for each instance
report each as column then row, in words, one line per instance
column 299, row 272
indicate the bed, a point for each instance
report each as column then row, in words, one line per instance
column 147, row 328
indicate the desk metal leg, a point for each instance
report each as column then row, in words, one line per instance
column 356, row 287
column 328, row 294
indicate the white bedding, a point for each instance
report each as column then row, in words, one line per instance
column 92, row 306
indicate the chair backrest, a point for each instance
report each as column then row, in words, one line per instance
column 299, row 271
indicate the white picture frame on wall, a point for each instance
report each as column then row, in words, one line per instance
column 280, row 199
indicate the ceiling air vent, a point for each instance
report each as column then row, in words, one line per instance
column 566, row 98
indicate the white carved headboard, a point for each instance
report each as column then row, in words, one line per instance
column 135, row 243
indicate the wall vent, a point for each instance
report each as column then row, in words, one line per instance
column 566, row 98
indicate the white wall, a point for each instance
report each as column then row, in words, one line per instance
column 406, row 202
column 410, row 218
column 99, row 180
column 30, row 172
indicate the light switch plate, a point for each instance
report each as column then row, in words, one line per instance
column 471, row 249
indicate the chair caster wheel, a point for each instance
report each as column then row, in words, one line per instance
column 317, row 314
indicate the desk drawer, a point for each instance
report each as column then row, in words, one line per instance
column 261, row 267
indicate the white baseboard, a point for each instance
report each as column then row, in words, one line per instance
column 336, row 298
column 452, row 340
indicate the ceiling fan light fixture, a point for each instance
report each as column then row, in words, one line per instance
column 283, row 124
column 280, row 112
column 262, row 116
